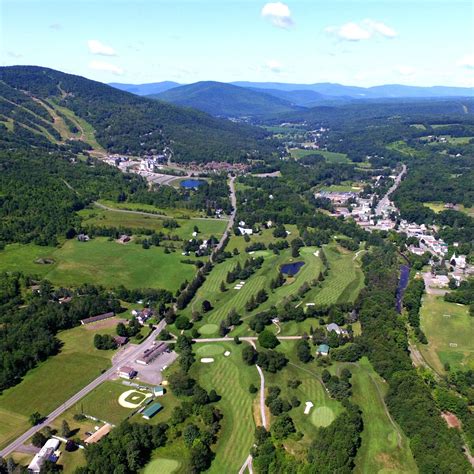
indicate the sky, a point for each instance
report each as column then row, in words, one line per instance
column 363, row 43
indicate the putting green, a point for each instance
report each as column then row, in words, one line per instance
column 208, row 329
column 261, row 253
column 322, row 416
column 161, row 466
column 209, row 350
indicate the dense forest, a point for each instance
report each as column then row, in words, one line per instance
column 125, row 123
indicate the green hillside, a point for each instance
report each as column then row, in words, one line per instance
column 45, row 107
column 225, row 100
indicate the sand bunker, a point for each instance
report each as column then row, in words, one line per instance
column 207, row 360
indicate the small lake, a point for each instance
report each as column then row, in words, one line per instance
column 191, row 183
column 291, row 268
column 402, row 284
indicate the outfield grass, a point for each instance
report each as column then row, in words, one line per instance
column 450, row 332
column 51, row 383
column 385, row 449
column 231, row 379
column 101, row 262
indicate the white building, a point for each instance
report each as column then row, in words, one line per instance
column 45, row 453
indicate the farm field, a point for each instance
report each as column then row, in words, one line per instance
column 52, row 382
column 101, row 262
column 231, row 379
column 450, row 332
column 384, row 447
column 439, row 206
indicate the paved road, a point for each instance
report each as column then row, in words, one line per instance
column 385, row 201
column 82, row 393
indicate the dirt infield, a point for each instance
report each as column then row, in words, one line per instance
column 451, row 419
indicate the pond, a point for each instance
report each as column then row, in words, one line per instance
column 291, row 268
column 191, row 183
column 402, row 284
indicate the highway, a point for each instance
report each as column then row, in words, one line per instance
column 82, row 393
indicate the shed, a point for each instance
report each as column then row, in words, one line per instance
column 323, row 349
column 158, row 391
column 151, row 411
column 99, row 434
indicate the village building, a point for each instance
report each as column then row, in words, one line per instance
column 151, row 411
column 99, row 434
column 323, row 349
column 127, row 372
column 149, row 355
column 99, row 317
column 46, row 453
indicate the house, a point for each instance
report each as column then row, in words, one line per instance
column 124, row 239
column 83, row 238
column 99, row 434
column 121, row 340
column 47, row 452
column 323, row 349
column 458, row 262
column 244, row 231
column 336, row 328
column 99, row 317
column 151, row 411
column 158, row 391
column 127, row 372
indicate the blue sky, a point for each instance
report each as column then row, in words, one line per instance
column 416, row 42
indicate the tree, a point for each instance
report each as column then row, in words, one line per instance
column 268, row 340
column 182, row 322
column 200, row 457
column 190, row 433
column 38, row 439
column 249, row 355
column 121, row 330
column 206, row 306
column 303, row 351
column 223, row 287
column 283, row 426
column 65, row 430
column 253, row 388
column 35, row 418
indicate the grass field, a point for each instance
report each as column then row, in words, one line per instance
column 51, row 383
column 101, row 262
column 439, row 206
column 161, row 466
column 231, row 379
column 340, row 188
column 331, row 157
column 385, row 449
column 344, row 281
column 450, row 332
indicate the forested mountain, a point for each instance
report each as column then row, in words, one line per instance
column 145, row 89
column 301, row 98
column 376, row 92
column 226, row 100
column 120, row 122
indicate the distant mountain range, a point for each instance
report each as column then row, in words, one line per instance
column 257, row 99
column 226, row 100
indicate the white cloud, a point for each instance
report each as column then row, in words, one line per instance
column 467, row 61
column 278, row 13
column 106, row 67
column 97, row 47
column 363, row 30
column 15, row 55
column 405, row 70
column 55, row 26
column 273, row 65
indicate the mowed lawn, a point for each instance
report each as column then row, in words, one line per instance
column 45, row 387
column 331, row 157
column 450, row 333
column 384, row 447
column 100, row 262
column 343, row 282
column 231, row 379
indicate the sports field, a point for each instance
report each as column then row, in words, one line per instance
column 51, row 383
column 385, row 449
column 450, row 332
column 101, row 262
column 231, row 379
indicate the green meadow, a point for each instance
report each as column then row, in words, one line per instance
column 450, row 332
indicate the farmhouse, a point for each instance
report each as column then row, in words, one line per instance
column 323, row 349
column 149, row 355
column 47, row 453
column 126, row 372
column 99, row 434
column 244, row 231
column 336, row 328
column 151, row 411
column 99, row 317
